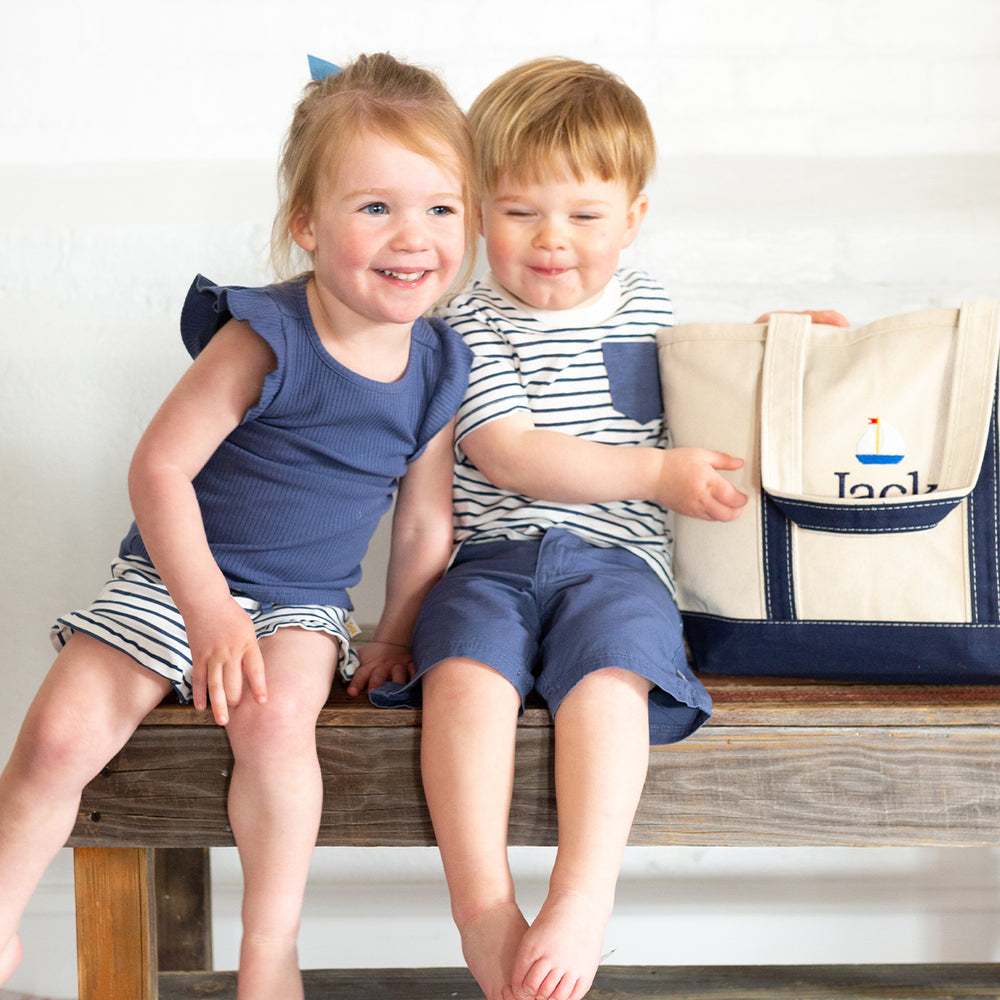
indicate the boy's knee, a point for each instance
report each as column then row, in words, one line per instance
column 458, row 677
column 606, row 684
column 617, row 676
column 469, row 690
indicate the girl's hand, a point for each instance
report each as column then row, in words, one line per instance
column 381, row 662
column 224, row 649
column 690, row 484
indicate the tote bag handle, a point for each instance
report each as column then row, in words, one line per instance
column 970, row 395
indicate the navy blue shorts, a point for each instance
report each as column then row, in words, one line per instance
column 545, row 613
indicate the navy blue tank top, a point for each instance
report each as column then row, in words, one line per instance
column 291, row 498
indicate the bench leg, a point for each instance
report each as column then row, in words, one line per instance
column 183, row 909
column 115, row 923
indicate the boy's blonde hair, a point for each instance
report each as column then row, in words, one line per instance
column 374, row 94
column 557, row 115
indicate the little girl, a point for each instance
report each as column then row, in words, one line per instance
column 256, row 489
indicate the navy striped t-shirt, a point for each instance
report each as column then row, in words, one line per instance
column 591, row 372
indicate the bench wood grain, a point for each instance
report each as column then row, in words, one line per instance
column 781, row 763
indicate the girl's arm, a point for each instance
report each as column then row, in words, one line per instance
column 550, row 465
column 420, row 549
column 210, row 399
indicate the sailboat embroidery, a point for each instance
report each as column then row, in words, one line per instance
column 881, row 444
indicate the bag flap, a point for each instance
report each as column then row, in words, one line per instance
column 878, row 428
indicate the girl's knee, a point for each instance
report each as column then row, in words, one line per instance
column 281, row 726
column 58, row 740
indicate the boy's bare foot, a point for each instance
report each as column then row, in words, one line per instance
column 10, row 956
column 559, row 955
column 490, row 941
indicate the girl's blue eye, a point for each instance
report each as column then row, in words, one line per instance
column 442, row 210
column 376, row 208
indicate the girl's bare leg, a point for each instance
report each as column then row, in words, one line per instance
column 89, row 704
column 467, row 756
column 275, row 801
column 602, row 754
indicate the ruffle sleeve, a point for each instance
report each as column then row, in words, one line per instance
column 208, row 307
column 455, row 362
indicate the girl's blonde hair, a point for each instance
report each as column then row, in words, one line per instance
column 562, row 116
column 374, row 94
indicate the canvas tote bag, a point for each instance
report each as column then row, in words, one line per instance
column 869, row 549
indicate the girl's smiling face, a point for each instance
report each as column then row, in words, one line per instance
column 556, row 244
column 386, row 235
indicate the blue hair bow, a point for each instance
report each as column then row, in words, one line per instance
column 320, row 69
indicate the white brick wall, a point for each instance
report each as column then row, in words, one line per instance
column 114, row 80
column 815, row 153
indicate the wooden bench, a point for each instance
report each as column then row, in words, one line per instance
column 781, row 763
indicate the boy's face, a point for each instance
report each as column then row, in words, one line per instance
column 556, row 244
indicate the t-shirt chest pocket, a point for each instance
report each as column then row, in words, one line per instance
column 634, row 380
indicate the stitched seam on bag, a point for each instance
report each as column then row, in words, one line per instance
column 870, row 531
column 996, row 532
column 860, row 623
column 919, row 504
column 767, row 555
column 992, row 513
column 971, row 552
column 789, row 576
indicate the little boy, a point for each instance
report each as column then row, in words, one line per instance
column 561, row 580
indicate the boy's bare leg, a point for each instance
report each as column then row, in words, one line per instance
column 275, row 802
column 602, row 754
column 89, row 704
column 467, row 756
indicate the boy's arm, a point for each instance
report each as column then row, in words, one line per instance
column 549, row 465
column 210, row 399
column 420, row 548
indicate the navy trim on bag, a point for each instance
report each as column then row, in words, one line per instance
column 876, row 652
column 779, row 580
column 984, row 536
column 870, row 519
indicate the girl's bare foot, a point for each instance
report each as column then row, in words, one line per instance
column 490, row 941
column 559, row 955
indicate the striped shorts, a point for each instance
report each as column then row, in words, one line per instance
column 135, row 614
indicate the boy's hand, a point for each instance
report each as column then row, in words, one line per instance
column 224, row 648
column 381, row 662
column 828, row 317
column 690, row 484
